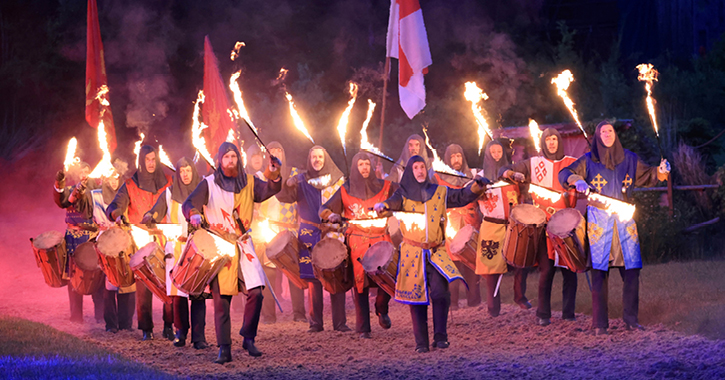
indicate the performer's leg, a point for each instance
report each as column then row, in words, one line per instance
column 441, row 300
column 181, row 316
column 630, row 295
column 144, row 307
column 269, row 314
column 474, row 286
column 222, row 319
column 252, row 310
column 315, row 288
column 168, row 317
column 339, row 317
column 362, row 310
column 97, row 297
column 76, row 305
column 520, row 275
column 568, row 293
column 110, row 312
column 455, row 287
column 493, row 303
column 126, row 307
column 419, row 317
column 382, row 302
column 198, row 320
column 297, row 296
column 600, row 312
column 546, row 279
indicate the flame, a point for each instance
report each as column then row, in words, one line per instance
column 241, row 111
column 224, row 247
column 197, row 139
column 171, row 231
column 535, row 134
column 265, row 231
column 562, row 82
column 474, row 95
column 438, row 165
column 623, row 210
column 344, row 119
column 544, row 193
column 70, row 155
column 165, row 158
column 370, row 223
column 411, row 220
column 140, row 236
column 299, row 124
column 364, row 142
column 137, row 147
column 648, row 74
column 499, row 184
column 230, row 136
column 282, row 74
column 450, row 230
column 104, row 168
column 235, row 51
column 320, row 181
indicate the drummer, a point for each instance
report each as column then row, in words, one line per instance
column 496, row 206
column 119, row 304
column 545, row 168
column 226, row 199
column 414, row 146
column 312, row 189
column 354, row 200
column 78, row 205
column 425, row 269
column 613, row 172
column 459, row 218
column 168, row 210
column 136, row 196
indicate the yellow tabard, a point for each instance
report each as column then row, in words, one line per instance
column 489, row 259
column 411, row 286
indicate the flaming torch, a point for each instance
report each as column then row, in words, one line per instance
column 535, row 134
column 137, row 147
column 70, row 155
column 299, row 124
column 364, row 142
column 164, row 158
column 474, row 95
column 197, row 139
column 104, row 168
column 562, row 82
column 342, row 125
column 648, row 74
column 241, row 111
column 438, row 165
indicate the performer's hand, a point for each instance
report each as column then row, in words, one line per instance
column 147, row 219
column 379, row 207
column 482, row 181
column 274, row 163
column 195, row 220
column 334, row 218
column 518, row 177
column 59, row 176
column 664, row 167
column 293, row 180
column 581, row 186
column 121, row 220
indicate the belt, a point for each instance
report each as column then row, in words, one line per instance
column 318, row 225
column 421, row 245
column 84, row 227
column 495, row 220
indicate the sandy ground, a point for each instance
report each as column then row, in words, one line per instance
column 509, row 346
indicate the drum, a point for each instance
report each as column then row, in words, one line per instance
column 396, row 235
column 86, row 275
column 149, row 267
column 200, row 262
column 332, row 266
column 51, row 255
column 465, row 245
column 283, row 251
column 115, row 248
column 567, row 233
column 524, row 235
column 380, row 262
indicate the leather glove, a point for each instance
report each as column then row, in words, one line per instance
column 664, row 167
column 275, row 163
column 59, row 176
column 581, row 186
column 120, row 220
column 518, row 177
column 147, row 219
column 334, row 218
column 195, row 220
column 379, row 207
column 293, row 180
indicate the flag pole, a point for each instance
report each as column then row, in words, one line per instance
column 386, row 78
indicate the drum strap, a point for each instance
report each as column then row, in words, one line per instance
column 421, row 245
column 495, row 220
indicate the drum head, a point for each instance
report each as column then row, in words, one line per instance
column 328, row 253
column 564, row 221
column 462, row 237
column 141, row 254
column 211, row 246
column 528, row 214
column 276, row 246
column 48, row 239
column 86, row 257
column 114, row 241
column 378, row 255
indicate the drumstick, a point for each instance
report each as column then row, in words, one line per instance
column 498, row 284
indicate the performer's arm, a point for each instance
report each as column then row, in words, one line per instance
column 462, row 197
column 648, row 176
column 265, row 190
column 395, row 202
column 575, row 172
column 333, row 205
column 194, row 204
column 158, row 211
column 119, row 204
column 522, row 167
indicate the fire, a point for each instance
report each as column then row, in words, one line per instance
column 562, row 82
column 544, row 193
column 438, row 165
column 171, row 231
column 320, row 181
column 197, row 139
column 235, row 52
column 230, row 136
column 70, row 155
column 474, row 95
column 104, row 168
column 137, row 147
column 450, row 231
column 299, row 124
column 370, row 223
column 342, row 125
column 364, row 142
column 224, row 247
column 535, row 134
column 165, row 158
column 499, row 184
column 241, row 111
column 411, row 220
column 266, row 231
column 623, row 210
column 648, row 74
column 140, row 236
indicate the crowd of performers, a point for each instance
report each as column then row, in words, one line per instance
column 306, row 201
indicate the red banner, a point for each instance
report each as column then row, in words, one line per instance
column 96, row 77
column 215, row 110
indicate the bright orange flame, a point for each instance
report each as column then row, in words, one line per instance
column 104, row 168
column 437, row 164
column 241, row 111
column 648, row 74
column 265, row 231
column 342, row 125
column 623, row 210
column 197, row 139
column 411, row 220
column 562, row 82
column 299, row 124
column 171, row 231
column 140, row 236
column 70, row 155
column 544, row 193
column 364, row 142
column 320, row 181
column 164, row 158
column 450, row 230
column 235, row 52
column 535, row 134
column 474, row 95
column 370, row 223
column 137, row 147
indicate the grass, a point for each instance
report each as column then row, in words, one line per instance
column 30, row 350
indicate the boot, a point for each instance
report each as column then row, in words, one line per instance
column 148, row 335
column 251, row 349
column 180, row 340
column 225, row 354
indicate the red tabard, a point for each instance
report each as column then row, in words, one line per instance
column 141, row 201
column 360, row 239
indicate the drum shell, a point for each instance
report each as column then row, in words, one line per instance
column 384, row 275
column 522, row 241
column 193, row 272
column 286, row 259
column 85, row 281
column 465, row 252
column 572, row 248
column 152, row 272
column 52, row 262
column 340, row 278
column 117, row 268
